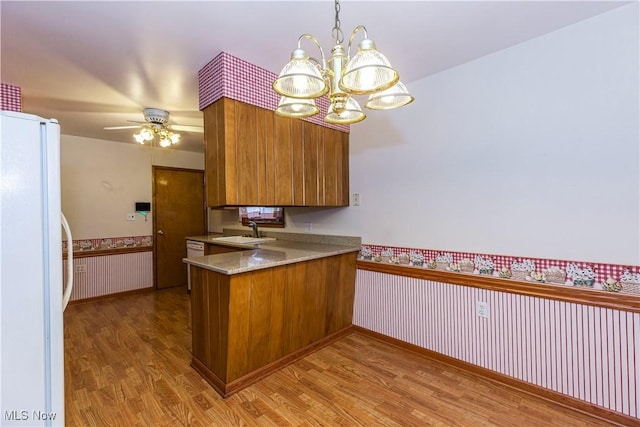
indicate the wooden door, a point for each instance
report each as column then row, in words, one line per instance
column 178, row 211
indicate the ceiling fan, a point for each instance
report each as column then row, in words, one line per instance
column 156, row 124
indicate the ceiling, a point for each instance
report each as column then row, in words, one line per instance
column 95, row 64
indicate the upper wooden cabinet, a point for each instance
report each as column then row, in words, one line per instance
column 255, row 158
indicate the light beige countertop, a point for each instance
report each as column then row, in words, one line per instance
column 206, row 238
column 266, row 255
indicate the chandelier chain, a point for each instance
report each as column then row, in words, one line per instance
column 337, row 32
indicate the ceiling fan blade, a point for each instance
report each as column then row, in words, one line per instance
column 136, row 121
column 120, row 127
column 186, row 128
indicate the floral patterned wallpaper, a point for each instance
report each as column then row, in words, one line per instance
column 606, row 277
column 82, row 245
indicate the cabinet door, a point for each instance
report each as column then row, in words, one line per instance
column 255, row 158
column 214, row 154
column 312, row 164
column 297, row 160
column 283, row 161
column 326, row 166
column 331, row 153
column 335, row 173
column 220, row 153
column 246, row 148
column 239, row 154
column 266, row 158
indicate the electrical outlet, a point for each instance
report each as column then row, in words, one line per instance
column 356, row 199
column 81, row 268
column 131, row 216
column 482, row 309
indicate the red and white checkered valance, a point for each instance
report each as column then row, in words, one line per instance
column 230, row 77
column 10, row 97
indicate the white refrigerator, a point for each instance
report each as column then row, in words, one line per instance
column 31, row 287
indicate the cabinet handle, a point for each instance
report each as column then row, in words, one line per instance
column 161, row 232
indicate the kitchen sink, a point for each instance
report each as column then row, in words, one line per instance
column 242, row 240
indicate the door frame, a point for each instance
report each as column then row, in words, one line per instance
column 154, row 168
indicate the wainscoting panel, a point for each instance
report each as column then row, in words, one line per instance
column 585, row 352
column 110, row 274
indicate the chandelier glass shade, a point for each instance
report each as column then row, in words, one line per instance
column 368, row 72
column 296, row 107
column 394, row 97
column 165, row 137
column 351, row 113
column 300, row 78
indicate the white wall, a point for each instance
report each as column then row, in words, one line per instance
column 102, row 180
column 530, row 151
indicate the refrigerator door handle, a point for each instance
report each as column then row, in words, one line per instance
column 69, row 285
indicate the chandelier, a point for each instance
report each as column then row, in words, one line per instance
column 368, row 73
column 152, row 131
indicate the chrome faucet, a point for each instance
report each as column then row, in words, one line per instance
column 254, row 226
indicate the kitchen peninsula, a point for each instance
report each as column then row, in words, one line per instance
column 260, row 308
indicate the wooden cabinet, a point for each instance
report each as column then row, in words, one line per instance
column 248, row 325
column 255, row 158
column 210, row 249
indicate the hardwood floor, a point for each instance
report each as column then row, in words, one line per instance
column 127, row 363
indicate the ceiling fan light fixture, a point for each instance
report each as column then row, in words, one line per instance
column 139, row 138
column 156, row 127
column 164, row 142
column 146, row 133
column 156, row 116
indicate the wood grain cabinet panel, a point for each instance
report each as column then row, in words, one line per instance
column 246, row 148
column 248, row 325
column 255, row 158
column 297, row 162
column 211, row 249
column 283, row 161
column 214, row 155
